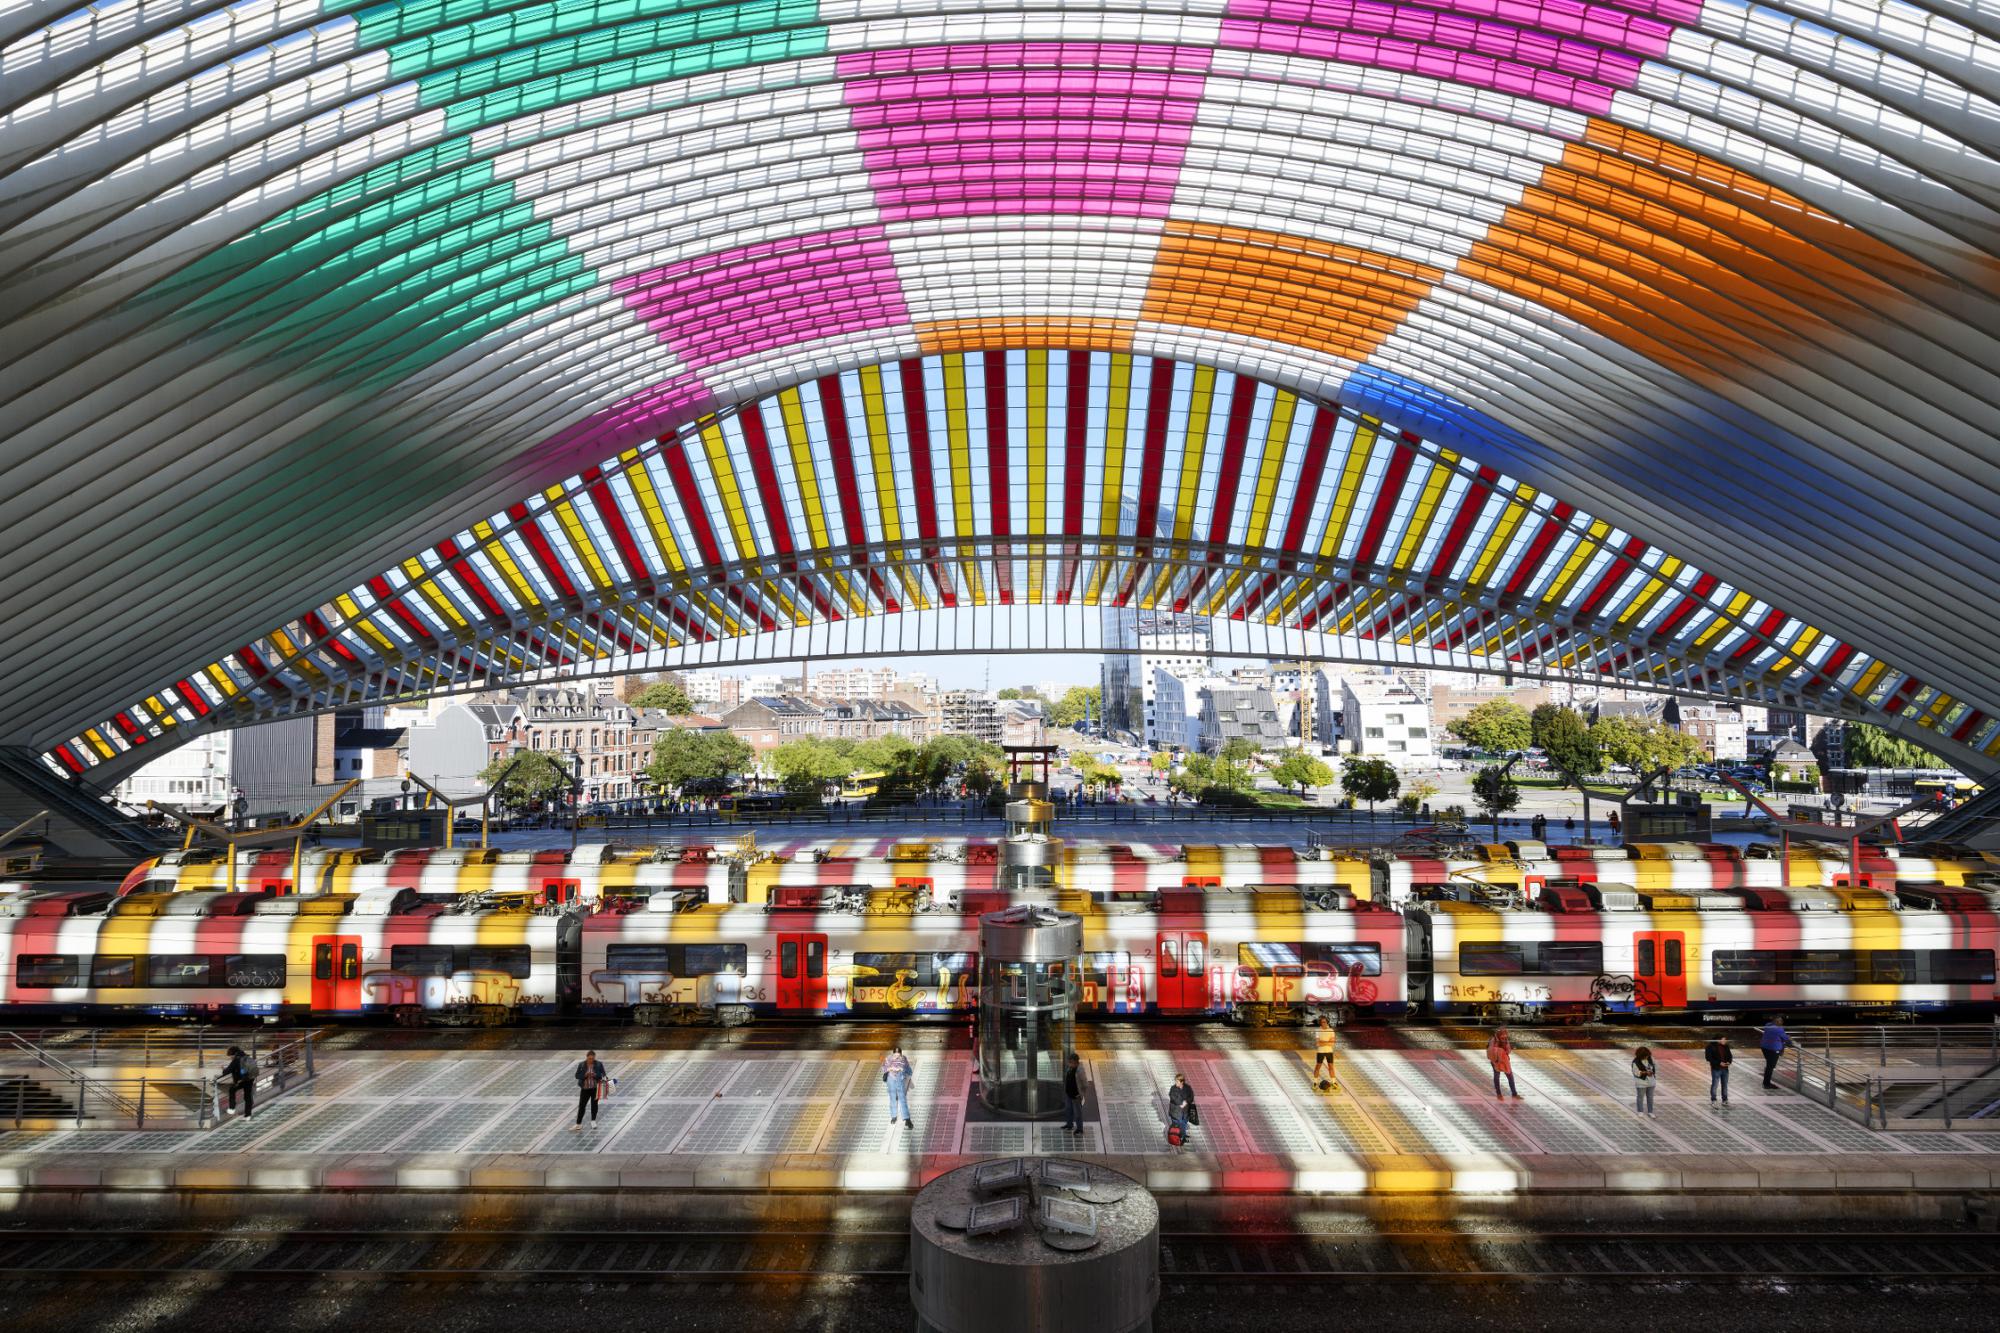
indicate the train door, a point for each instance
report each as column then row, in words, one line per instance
column 556, row 892
column 1182, row 964
column 1201, row 881
column 1660, row 968
column 336, row 970
column 801, row 986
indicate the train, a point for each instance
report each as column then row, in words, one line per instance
column 1253, row 935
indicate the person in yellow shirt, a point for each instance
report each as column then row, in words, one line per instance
column 1323, row 1039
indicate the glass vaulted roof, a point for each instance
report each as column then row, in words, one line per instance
column 406, row 312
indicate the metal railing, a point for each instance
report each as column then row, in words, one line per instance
column 62, row 1094
column 1818, row 1077
column 1930, row 1043
column 1978, row 1099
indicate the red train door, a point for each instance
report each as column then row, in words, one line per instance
column 801, row 985
column 336, row 970
column 1660, row 968
column 1182, row 964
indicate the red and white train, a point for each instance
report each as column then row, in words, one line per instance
column 1251, row 934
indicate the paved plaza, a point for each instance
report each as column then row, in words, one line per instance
column 776, row 1119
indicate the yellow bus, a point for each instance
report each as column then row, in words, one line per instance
column 860, row 786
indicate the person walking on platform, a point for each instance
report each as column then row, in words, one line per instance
column 1719, row 1059
column 896, row 1075
column 590, row 1082
column 1500, row 1054
column 1323, row 1042
column 241, row 1071
column 1073, row 1095
column 1774, row 1041
column 1644, row 1075
column 1181, row 1112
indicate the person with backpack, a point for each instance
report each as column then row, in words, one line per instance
column 1500, row 1055
column 1323, row 1043
column 590, row 1083
column 896, row 1074
column 1774, row 1039
column 241, row 1071
column 1181, row 1112
column 1645, row 1074
column 1719, row 1058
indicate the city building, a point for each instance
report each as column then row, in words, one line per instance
column 1718, row 728
column 865, row 682
column 1380, row 717
column 1137, row 644
column 970, row 713
column 1177, row 710
column 195, row 776
column 1022, row 722
column 1232, row 711
column 867, row 719
column 1455, row 695
column 712, row 691
column 1792, row 763
column 767, row 721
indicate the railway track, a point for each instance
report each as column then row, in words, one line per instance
column 1187, row 1258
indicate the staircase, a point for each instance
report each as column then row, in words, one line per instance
column 1975, row 824
column 81, row 821
column 24, row 1098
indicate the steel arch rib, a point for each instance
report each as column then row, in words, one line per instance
column 308, row 284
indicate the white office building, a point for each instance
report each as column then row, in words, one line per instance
column 1381, row 718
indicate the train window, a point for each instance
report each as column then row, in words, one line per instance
column 421, row 960
column 1170, row 964
column 815, row 959
column 1746, row 967
column 1490, row 960
column 1264, row 959
column 322, row 962
column 1585, row 958
column 1825, row 967
column 879, row 969
column 1646, row 965
column 512, row 959
column 703, row 959
column 254, row 969
column 350, row 962
column 177, row 969
column 1961, row 966
column 108, row 971
column 1673, row 957
column 788, row 959
column 954, row 964
column 1344, row 958
column 1892, row 967
column 48, row 969
column 637, row 958
column 1191, row 959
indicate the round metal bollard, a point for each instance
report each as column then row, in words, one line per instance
column 1032, row 1276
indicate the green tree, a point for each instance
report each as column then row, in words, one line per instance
column 1644, row 747
column 1371, row 780
column 1094, row 772
column 1869, row 746
column 1240, row 750
column 532, row 777
column 1301, row 770
column 1496, row 725
column 807, row 765
column 1420, row 790
column 666, row 695
column 1538, row 723
column 1161, row 762
column 1079, row 703
column 1496, row 792
column 882, row 754
column 682, row 758
column 1575, row 749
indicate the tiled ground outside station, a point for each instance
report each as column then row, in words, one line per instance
column 1410, row 1103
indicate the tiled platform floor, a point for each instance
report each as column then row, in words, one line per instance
column 476, row 1108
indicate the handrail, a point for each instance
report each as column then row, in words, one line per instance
column 135, row 1097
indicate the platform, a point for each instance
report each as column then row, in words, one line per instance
column 1403, row 1123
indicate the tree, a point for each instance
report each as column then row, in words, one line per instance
column 1869, row 746
column 1161, row 762
column 1301, row 770
column 1240, row 750
column 882, row 754
column 1094, row 772
column 665, row 695
column 682, row 758
column 534, row 777
column 1576, row 751
column 1371, row 780
column 807, row 765
column 1079, row 703
column 1643, row 747
column 1496, row 726
column 1420, row 792
column 1538, row 723
column 1497, row 793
